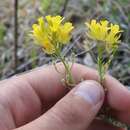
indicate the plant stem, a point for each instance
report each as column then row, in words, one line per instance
column 100, row 64
column 69, row 76
column 15, row 33
column 64, row 7
column 100, row 69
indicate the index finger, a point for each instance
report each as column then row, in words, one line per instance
column 47, row 83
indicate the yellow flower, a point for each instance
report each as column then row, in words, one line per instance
column 54, row 22
column 112, row 36
column 104, row 31
column 51, row 32
column 42, row 40
column 97, row 31
column 64, row 32
column 48, row 47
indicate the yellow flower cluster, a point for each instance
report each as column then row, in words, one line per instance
column 51, row 33
column 104, row 31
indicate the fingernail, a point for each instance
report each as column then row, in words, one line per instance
column 91, row 91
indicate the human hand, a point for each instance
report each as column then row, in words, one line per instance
column 38, row 100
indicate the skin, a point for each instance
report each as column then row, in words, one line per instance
column 27, row 101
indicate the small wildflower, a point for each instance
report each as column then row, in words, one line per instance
column 104, row 32
column 106, row 39
column 113, row 36
column 52, row 33
column 64, row 33
column 107, row 36
column 54, row 22
column 97, row 31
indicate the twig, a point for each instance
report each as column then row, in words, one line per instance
column 64, row 7
column 15, row 33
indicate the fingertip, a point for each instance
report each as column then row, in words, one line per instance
column 118, row 95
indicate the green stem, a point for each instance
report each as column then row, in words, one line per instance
column 100, row 65
column 100, row 70
column 69, row 76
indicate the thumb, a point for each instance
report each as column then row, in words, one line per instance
column 75, row 111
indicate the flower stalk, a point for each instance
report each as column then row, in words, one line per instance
column 52, row 33
column 107, row 38
column 69, row 78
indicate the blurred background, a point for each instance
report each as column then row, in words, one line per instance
column 19, row 54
